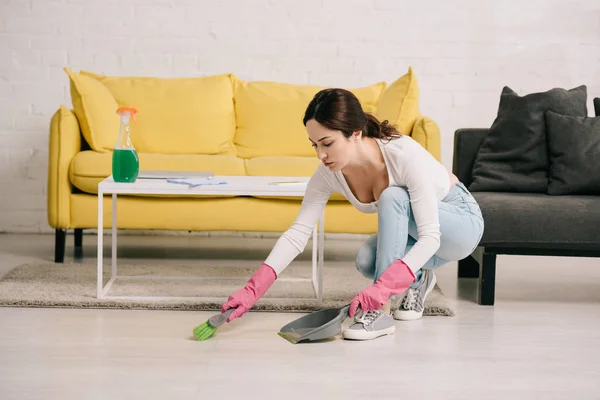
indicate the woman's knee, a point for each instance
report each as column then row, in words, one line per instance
column 394, row 198
column 365, row 260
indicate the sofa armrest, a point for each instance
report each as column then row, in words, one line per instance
column 427, row 133
column 467, row 142
column 64, row 144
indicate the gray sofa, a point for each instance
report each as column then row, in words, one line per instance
column 523, row 223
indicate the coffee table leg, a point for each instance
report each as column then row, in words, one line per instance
column 321, row 256
column 315, row 268
column 114, row 236
column 100, row 244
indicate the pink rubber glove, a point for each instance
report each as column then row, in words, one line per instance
column 395, row 280
column 255, row 288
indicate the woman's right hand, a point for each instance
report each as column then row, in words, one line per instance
column 255, row 288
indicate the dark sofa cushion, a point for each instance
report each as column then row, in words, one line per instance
column 574, row 151
column 514, row 154
column 597, row 106
column 539, row 220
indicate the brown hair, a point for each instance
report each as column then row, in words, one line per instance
column 339, row 109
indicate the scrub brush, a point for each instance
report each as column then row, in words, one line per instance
column 207, row 329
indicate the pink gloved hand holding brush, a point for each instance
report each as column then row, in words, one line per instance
column 240, row 302
column 255, row 288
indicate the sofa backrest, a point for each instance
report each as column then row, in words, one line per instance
column 467, row 142
column 220, row 114
column 269, row 116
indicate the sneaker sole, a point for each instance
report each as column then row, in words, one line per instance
column 352, row 334
column 413, row 315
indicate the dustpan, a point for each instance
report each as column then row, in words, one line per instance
column 315, row 326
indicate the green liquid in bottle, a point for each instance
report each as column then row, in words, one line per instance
column 125, row 165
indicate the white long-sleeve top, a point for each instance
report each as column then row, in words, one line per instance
column 409, row 165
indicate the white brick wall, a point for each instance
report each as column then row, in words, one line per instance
column 462, row 51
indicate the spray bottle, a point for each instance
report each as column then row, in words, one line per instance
column 125, row 162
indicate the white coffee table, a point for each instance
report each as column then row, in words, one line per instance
column 236, row 185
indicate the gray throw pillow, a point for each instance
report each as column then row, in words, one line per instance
column 574, row 151
column 514, row 155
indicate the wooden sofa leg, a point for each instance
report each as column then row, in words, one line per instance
column 487, row 279
column 468, row 268
column 59, row 245
column 78, row 243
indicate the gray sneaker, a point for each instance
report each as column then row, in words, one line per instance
column 370, row 325
column 412, row 303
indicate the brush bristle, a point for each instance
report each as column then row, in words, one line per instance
column 204, row 331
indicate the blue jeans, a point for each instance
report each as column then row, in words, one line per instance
column 461, row 228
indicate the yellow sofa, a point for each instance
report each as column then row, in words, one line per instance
column 218, row 123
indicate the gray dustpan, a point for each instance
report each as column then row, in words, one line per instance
column 318, row 325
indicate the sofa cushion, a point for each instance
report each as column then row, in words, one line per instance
column 536, row 219
column 514, row 154
column 203, row 213
column 574, row 152
column 426, row 132
column 89, row 168
column 176, row 115
column 95, row 108
column 399, row 103
column 269, row 116
column 285, row 166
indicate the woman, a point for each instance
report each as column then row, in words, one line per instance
column 426, row 217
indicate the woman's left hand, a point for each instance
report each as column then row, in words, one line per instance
column 395, row 280
column 371, row 298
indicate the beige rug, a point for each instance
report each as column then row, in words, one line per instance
column 74, row 285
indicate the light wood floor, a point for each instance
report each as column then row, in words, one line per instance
column 541, row 339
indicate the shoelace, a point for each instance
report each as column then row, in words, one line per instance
column 368, row 317
column 410, row 300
